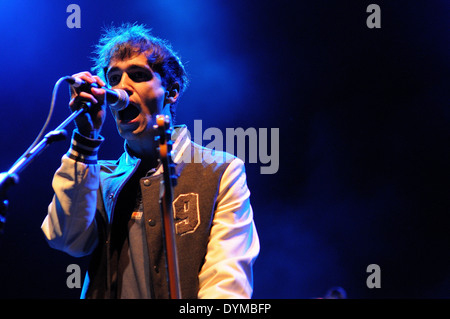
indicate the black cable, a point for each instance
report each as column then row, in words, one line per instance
column 47, row 121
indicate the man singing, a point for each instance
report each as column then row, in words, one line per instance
column 110, row 209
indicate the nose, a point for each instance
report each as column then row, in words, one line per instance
column 125, row 84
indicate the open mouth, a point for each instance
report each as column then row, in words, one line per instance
column 129, row 113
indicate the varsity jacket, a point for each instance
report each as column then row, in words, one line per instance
column 216, row 238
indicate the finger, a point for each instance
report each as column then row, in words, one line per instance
column 82, row 97
column 98, row 91
column 99, row 94
column 99, row 80
column 87, row 76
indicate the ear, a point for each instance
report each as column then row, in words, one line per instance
column 172, row 94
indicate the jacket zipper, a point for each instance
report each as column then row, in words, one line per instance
column 108, row 230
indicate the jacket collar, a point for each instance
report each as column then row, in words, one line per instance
column 180, row 138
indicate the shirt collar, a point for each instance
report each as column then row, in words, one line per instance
column 180, row 138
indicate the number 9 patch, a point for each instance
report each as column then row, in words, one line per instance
column 187, row 213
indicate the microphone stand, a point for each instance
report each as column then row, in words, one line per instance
column 11, row 176
column 166, row 199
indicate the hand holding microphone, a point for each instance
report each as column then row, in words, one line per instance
column 117, row 99
column 86, row 88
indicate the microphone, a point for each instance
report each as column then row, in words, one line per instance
column 117, row 99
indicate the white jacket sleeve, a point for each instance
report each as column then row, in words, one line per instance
column 70, row 223
column 234, row 245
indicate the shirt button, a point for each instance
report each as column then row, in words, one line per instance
column 147, row 182
column 111, row 196
column 151, row 222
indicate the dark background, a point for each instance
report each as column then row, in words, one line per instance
column 363, row 116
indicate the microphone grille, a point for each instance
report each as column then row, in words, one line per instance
column 122, row 100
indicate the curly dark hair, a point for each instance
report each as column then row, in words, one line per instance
column 129, row 40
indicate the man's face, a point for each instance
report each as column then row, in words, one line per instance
column 147, row 96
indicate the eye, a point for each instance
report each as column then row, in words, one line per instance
column 114, row 79
column 140, row 76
